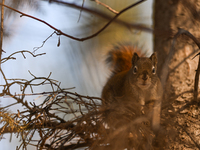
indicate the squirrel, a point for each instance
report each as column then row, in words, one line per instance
column 133, row 78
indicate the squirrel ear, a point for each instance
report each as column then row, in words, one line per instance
column 135, row 58
column 153, row 58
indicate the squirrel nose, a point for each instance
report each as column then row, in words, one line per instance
column 145, row 76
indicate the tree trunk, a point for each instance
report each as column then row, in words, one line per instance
column 169, row 17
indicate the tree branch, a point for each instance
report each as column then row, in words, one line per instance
column 22, row 52
column 103, row 15
column 108, row 7
column 1, row 32
column 59, row 32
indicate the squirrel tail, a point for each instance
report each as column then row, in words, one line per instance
column 120, row 57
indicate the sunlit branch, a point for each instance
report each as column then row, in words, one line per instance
column 108, row 7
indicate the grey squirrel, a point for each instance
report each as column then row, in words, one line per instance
column 133, row 78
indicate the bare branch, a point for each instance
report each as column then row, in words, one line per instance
column 108, row 7
column 1, row 32
column 81, row 10
column 171, row 52
column 105, row 16
column 36, row 48
column 59, row 32
column 196, row 83
column 22, row 52
column 191, row 137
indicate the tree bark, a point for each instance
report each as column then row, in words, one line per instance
column 169, row 17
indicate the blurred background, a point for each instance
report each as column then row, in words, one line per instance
column 74, row 63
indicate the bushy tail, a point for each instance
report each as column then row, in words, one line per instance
column 120, row 57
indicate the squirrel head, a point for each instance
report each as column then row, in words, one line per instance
column 143, row 71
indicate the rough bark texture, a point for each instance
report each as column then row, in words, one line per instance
column 169, row 15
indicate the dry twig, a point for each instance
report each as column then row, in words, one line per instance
column 108, row 7
column 59, row 32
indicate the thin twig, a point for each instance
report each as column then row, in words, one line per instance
column 59, row 32
column 108, row 7
column 165, row 70
column 192, row 139
column 105, row 16
column 22, row 52
column 36, row 48
column 81, row 11
column 1, row 32
column 4, row 77
column 196, row 83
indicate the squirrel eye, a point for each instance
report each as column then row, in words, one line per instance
column 135, row 70
column 153, row 70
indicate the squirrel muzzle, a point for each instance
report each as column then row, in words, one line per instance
column 144, row 80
